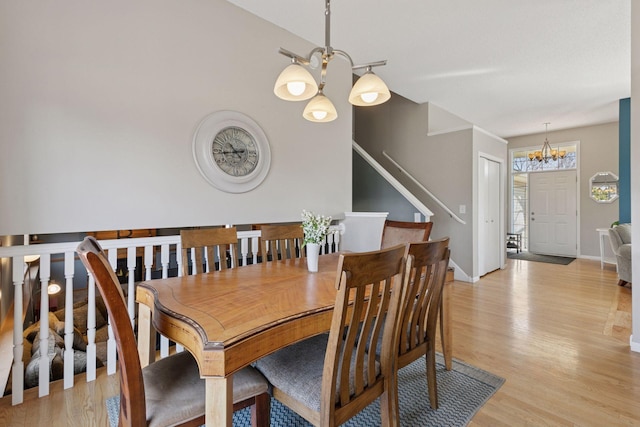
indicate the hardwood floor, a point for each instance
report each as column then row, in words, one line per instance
column 558, row 334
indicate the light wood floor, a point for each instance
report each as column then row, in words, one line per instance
column 558, row 334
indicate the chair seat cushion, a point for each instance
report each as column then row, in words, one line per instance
column 175, row 392
column 297, row 370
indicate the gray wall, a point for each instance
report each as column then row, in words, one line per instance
column 598, row 153
column 100, row 101
column 443, row 163
column 372, row 193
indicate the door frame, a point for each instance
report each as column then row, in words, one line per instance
column 503, row 208
column 578, row 196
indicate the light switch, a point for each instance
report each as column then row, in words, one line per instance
column 463, row 209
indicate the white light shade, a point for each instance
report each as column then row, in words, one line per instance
column 320, row 109
column 295, row 83
column 369, row 90
column 53, row 289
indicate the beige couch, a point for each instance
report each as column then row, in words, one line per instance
column 620, row 238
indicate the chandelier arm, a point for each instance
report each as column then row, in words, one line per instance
column 323, row 74
column 345, row 55
column 369, row 65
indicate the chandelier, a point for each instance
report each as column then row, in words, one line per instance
column 296, row 83
column 547, row 153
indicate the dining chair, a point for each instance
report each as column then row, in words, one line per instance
column 397, row 232
column 419, row 318
column 282, row 241
column 207, row 245
column 329, row 378
column 169, row 391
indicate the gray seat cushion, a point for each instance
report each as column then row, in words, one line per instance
column 175, row 392
column 297, row 370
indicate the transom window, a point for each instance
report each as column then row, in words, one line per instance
column 563, row 156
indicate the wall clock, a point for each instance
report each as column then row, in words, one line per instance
column 231, row 151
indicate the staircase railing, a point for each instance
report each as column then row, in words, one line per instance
column 423, row 188
column 421, row 207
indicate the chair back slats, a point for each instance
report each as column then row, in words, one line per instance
column 419, row 315
column 426, row 280
column 397, row 232
column 281, row 242
column 370, row 285
column 132, row 398
column 208, row 245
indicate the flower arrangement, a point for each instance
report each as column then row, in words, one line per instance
column 315, row 227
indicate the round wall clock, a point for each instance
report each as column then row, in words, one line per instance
column 231, row 151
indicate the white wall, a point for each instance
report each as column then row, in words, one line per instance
column 598, row 153
column 100, row 101
column 635, row 160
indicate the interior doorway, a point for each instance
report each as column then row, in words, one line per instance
column 490, row 223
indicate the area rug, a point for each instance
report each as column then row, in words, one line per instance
column 461, row 393
column 550, row 259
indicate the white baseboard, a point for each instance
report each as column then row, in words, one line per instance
column 635, row 346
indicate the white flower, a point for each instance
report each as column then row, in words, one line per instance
column 315, row 227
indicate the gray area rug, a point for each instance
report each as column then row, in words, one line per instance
column 528, row 256
column 461, row 393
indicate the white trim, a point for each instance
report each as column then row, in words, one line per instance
column 450, row 130
column 489, row 134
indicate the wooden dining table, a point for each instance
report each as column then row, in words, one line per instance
column 230, row 318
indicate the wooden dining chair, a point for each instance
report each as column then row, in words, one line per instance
column 169, row 391
column 419, row 318
column 329, row 378
column 398, row 232
column 207, row 245
column 283, row 241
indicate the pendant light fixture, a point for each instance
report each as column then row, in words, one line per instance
column 546, row 153
column 296, row 83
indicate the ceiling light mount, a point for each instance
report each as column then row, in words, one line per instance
column 296, row 83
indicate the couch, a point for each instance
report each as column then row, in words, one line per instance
column 620, row 238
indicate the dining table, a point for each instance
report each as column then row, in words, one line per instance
column 230, row 318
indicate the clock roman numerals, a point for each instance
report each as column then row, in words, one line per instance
column 235, row 151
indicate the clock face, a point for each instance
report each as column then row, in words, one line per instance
column 231, row 151
column 235, row 151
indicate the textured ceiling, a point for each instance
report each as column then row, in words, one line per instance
column 506, row 66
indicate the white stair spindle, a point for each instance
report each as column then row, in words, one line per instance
column 148, row 261
column 69, row 258
column 45, row 357
column 91, row 328
column 17, row 370
column 131, row 294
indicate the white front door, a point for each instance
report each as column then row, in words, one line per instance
column 490, row 235
column 553, row 214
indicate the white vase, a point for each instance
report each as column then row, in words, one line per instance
column 313, row 252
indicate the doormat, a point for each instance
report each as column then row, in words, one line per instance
column 550, row 259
